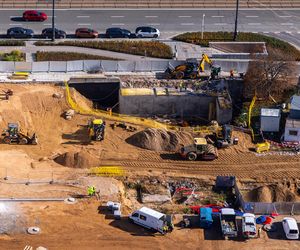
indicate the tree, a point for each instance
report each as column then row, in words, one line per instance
column 269, row 76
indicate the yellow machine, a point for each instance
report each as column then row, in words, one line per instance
column 96, row 129
column 262, row 147
column 191, row 69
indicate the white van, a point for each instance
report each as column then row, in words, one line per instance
column 290, row 228
column 248, row 225
column 151, row 219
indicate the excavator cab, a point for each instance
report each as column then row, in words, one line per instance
column 96, row 129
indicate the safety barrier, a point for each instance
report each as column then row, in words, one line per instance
column 111, row 66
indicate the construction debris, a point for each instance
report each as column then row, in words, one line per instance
column 34, row 230
column 69, row 114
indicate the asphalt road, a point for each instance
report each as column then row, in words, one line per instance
column 283, row 23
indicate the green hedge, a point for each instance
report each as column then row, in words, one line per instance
column 272, row 43
column 11, row 43
column 13, row 56
column 68, row 56
column 142, row 48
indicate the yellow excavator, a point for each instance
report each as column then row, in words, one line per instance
column 191, row 69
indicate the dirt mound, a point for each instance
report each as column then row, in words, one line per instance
column 264, row 194
column 274, row 193
column 79, row 159
column 159, row 139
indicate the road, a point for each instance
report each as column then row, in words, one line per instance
column 283, row 23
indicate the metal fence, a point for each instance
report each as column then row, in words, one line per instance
column 110, row 66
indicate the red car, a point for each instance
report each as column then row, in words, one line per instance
column 86, row 33
column 34, row 15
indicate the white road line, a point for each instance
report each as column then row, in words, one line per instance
column 220, row 23
column 289, row 32
column 187, row 24
column 277, row 32
column 285, row 16
column 16, row 24
column 47, row 24
column 117, row 24
column 255, row 32
column 184, row 16
column 150, row 16
column 84, row 24
column 286, row 24
column 254, row 23
column 251, row 16
column 266, row 32
column 298, row 32
column 15, row 16
column 153, row 24
column 217, row 16
column 116, row 16
column 83, row 16
column 51, row 16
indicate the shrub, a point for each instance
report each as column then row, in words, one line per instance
column 68, row 56
column 273, row 44
column 142, row 48
column 15, row 55
column 12, row 43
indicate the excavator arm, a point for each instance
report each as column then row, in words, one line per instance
column 205, row 59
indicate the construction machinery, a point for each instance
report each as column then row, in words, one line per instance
column 223, row 137
column 200, row 149
column 96, row 129
column 191, row 69
column 13, row 134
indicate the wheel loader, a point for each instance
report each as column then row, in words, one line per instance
column 96, row 128
column 13, row 134
column 200, row 149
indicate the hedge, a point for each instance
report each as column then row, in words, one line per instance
column 11, row 43
column 13, row 56
column 272, row 43
column 142, row 48
column 68, row 56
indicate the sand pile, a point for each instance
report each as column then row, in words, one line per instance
column 160, row 140
column 274, row 193
column 74, row 159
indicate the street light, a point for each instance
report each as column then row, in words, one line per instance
column 53, row 23
column 236, row 20
column 202, row 27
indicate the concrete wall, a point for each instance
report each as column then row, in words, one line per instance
column 177, row 105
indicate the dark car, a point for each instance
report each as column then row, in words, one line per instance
column 86, row 33
column 117, row 33
column 34, row 15
column 19, row 32
column 47, row 33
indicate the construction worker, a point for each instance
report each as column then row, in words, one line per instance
column 91, row 191
column 165, row 229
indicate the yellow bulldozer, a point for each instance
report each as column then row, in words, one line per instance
column 96, row 128
column 191, row 69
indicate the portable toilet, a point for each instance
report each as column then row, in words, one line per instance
column 206, row 220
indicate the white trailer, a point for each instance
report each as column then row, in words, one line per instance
column 151, row 219
column 249, row 225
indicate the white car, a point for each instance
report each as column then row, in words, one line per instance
column 290, row 228
column 147, row 32
column 249, row 225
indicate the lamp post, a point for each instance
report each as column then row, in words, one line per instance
column 202, row 27
column 236, row 20
column 53, row 23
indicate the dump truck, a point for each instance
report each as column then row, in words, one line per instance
column 200, row 149
column 96, row 128
column 228, row 223
column 151, row 219
column 13, row 134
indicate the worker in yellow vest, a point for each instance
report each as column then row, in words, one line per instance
column 91, row 191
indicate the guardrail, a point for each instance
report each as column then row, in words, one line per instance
column 110, row 66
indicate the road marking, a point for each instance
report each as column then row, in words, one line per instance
column 277, row 32
column 298, row 32
column 187, row 24
column 220, row 23
column 14, row 24
column 84, row 24
column 266, row 32
column 184, row 16
column 47, row 24
column 51, row 16
column 15, row 16
column 255, row 32
column 153, row 24
column 251, row 16
column 217, row 16
column 285, row 16
column 254, row 23
column 286, row 24
column 150, row 16
column 116, row 16
column 289, row 32
column 83, row 16
column 117, row 24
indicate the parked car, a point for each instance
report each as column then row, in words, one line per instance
column 117, row 33
column 34, row 15
column 86, row 33
column 290, row 228
column 47, row 33
column 228, row 223
column 248, row 225
column 19, row 32
column 151, row 219
column 143, row 32
column 206, row 219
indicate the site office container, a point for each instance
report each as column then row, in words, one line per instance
column 206, row 219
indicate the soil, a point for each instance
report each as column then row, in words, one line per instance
column 30, row 170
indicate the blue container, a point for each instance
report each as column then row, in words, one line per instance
column 206, row 220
